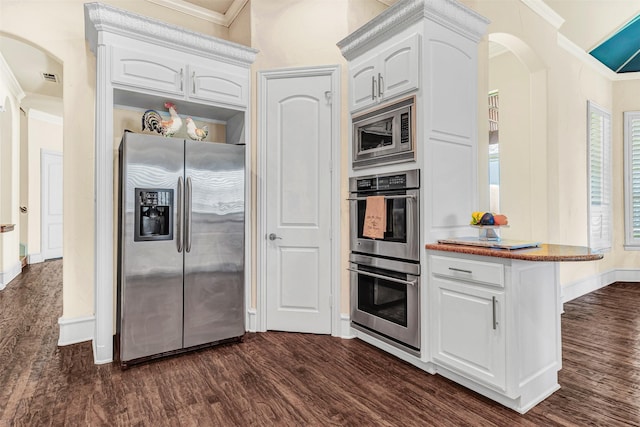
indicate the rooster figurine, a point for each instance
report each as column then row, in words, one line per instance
column 196, row 133
column 153, row 121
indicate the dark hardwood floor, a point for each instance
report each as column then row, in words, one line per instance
column 287, row 379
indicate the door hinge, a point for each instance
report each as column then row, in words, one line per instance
column 329, row 96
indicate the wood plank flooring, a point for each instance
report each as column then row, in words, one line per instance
column 285, row 379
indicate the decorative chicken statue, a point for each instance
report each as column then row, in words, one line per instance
column 153, row 121
column 196, row 133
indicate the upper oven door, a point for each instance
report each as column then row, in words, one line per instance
column 401, row 234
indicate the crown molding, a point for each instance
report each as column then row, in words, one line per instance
column 548, row 14
column 448, row 13
column 100, row 17
column 596, row 65
column 185, row 7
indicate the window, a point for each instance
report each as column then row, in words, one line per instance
column 494, row 153
column 632, row 180
column 599, row 142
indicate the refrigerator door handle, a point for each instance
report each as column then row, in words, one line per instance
column 188, row 215
column 180, row 213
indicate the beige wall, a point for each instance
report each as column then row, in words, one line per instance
column 511, row 78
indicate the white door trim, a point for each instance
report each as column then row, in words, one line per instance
column 261, row 298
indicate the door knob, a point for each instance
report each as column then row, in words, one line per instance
column 273, row 236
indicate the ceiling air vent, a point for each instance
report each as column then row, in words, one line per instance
column 49, row 77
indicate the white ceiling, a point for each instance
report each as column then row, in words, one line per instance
column 586, row 23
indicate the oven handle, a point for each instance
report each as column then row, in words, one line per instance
column 362, row 199
column 380, row 276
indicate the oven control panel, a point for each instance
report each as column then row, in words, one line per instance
column 398, row 181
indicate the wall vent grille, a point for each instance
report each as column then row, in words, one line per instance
column 49, row 77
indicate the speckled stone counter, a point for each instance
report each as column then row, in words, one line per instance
column 545, row 253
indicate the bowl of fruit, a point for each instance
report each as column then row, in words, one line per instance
column 488, row 224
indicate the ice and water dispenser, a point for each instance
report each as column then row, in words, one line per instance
column 153, row 214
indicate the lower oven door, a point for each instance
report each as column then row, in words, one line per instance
column 385, row 297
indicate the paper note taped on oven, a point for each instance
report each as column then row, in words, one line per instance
column 375, row 218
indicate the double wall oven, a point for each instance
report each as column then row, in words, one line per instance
column 385, row 271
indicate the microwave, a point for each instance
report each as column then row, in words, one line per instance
column 384, row 135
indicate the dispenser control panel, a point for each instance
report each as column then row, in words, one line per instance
column 153, row 214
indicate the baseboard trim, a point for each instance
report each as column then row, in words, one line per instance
column 7, row 276
column 35, row 258
column 345, row 327
column 76, row 330
column 592, row 283
column 252, row 325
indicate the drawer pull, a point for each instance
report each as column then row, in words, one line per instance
column 459, row 270
column 495, row 323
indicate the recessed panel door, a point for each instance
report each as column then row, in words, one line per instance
column 298, row 198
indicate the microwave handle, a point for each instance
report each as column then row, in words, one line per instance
column 380, row 276
column 362, row 199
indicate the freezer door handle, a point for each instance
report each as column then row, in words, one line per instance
column 180, row 213
column 188, row 214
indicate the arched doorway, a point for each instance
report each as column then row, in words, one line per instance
column 518, row 149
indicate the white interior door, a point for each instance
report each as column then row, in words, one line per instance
column 51, row 193
column 297, row 196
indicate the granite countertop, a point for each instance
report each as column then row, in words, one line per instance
column 545, row 252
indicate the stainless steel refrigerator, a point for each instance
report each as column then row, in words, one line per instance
column 181, row 245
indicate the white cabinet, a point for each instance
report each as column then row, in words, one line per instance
column 385, row 74
column 190, row 78
column 142, row 70
column 468, row 334
column 494, row 325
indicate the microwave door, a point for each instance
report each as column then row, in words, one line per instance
column 376, row 136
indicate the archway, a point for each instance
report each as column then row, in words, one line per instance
column 520, row 77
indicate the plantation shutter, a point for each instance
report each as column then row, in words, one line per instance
column 632, row 178
column 600, row 213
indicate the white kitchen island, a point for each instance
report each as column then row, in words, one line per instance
column 493, row 317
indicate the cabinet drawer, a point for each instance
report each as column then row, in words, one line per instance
column 469, row 270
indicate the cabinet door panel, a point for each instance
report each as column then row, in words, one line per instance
column 399, row 67
column 463, row 331
column 219, row 86
column 363, row 84
column 141, row 70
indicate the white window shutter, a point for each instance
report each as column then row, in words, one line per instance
column 600, row 176
column 632, row 179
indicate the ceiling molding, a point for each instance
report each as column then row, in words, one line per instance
column 387, row 2
column 548, row 14
column 598, row 66
column 185, row 7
